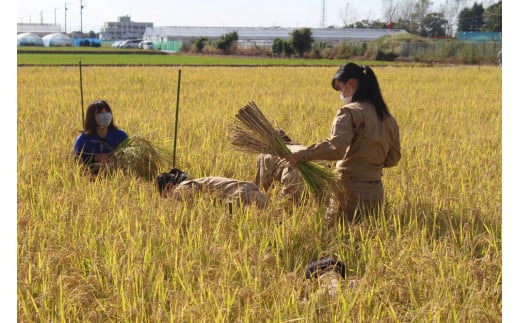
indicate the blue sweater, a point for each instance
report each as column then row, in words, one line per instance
column 86, row 146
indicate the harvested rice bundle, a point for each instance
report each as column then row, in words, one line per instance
column 253, row 133
column 137, row 155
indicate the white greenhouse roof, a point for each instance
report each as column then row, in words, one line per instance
column 267, row 33
column 39, row 29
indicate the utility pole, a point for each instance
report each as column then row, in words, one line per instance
column 41, row 17
column 323, row 15
column 81, row 17
column 66, row 18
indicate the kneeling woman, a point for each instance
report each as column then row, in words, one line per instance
column 100, row 136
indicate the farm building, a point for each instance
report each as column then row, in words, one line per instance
column 260, row 36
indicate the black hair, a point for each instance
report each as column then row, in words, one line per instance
column 174, row 176
column 368, row 88
column 90, row 118
column 319, row 266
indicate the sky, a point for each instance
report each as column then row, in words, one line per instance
column 221, row 13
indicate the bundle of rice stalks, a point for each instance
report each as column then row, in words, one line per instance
column 138, row 156
column 253, row 133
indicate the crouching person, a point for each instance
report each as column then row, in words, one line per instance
column 229, row 191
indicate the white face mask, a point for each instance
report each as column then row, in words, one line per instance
column 345, row 99
column 104, row 119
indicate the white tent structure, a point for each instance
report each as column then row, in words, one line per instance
column 29, row 39
column 57, row 40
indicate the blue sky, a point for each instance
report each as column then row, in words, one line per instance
column 239, row 13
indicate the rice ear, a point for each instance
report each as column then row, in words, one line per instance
column 138, row 156
column 253, row 133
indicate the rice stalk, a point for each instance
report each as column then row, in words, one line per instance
column 138, row 156
column 253, row 133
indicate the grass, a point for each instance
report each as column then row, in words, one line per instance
column 171, row 59
column 113, row 250
column 110, row 56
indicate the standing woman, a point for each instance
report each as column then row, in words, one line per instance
column 99, row 137
column 364, row 139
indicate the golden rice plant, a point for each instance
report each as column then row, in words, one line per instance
column 253, row 133
column 137, row 155
column 114, row 250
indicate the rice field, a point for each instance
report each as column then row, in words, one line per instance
column 112, row 250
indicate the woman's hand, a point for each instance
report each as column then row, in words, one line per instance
column 99, row 158
column 293, row 158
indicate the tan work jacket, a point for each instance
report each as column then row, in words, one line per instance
column 360, row 143
column 225, row 189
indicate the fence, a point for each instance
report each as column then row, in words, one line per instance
column 470, row 52
column 444, row 50
column 170, row 45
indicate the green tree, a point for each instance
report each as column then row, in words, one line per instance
column 301, row 40
column 376, row 24
column 408, row 25
column 200, row 43
column 359, row 24
column 227, row 42
column 493, row 18
column 277, row 47
column 282, row 47
column 434, row 25
column 470, row 19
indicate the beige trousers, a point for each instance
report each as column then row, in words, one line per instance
column 357, row 200
column 271, row 168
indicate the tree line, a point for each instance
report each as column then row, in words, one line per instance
column 414, row 16
column 417, row 17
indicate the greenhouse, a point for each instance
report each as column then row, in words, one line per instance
column 260, row 36
column 29, row 39
column 57, row 40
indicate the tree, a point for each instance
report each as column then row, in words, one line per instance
column 451, row 10
column 406, row 14
column 200, row 43
column 470, row 19
column 492, row 18
column 277, row 47
column 405, row 25
column 390, row 10
column 406, row 18
column 281, row 47
column 360, row 25
column 226, row 42
column 376, row 24
column 301, row 40
column 420, row 10
column 348, row 14
column 434, row 25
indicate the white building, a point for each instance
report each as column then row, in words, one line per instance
column 123, row 28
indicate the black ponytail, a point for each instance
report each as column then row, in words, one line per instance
column 368, row 89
